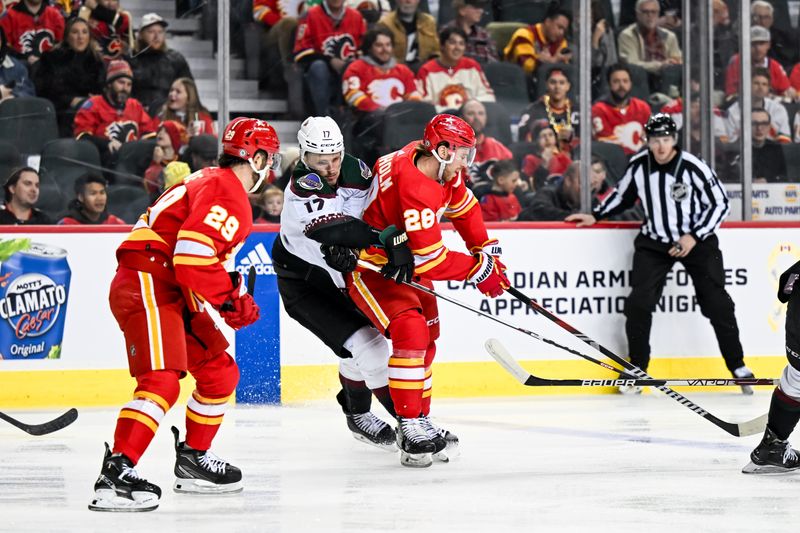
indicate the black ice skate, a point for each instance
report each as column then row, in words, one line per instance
column 745, row 373
column 120, row 489
column 446, row 443
column 202, row 472
column 368, row 428
column 772, row 456
column 415, row 445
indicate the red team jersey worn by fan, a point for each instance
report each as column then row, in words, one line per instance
column 368, row 87
column 99, row 118
column 623, row 126
column 318, row 34
column 32, row 34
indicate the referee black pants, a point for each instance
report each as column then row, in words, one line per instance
column 651, row 264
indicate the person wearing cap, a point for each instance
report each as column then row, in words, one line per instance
column 32, row 27
column 110, row 26
column 684, row 205
column 21, row 194
column 113, row 118
column 171, row 140
column 480, row 45
column 201, row 152
column 155, row 66
column 759, row 48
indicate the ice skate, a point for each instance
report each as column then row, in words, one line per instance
column 415, row 446
column 744, row 372
column 629, row 390
column 120, row 489
column 772, row 456
column 368, row 428
column 446, row 442
column 202, row 472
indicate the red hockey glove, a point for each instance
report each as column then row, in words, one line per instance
column 487, row 276
column 240, row 309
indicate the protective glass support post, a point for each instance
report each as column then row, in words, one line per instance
column 706, row 62
column 686, row 87
column 746, row 107
column 582, row 11
column 223, row 63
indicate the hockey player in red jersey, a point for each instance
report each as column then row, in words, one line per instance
column 417, row 185
column 170, row 269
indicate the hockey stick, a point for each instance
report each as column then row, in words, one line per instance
column 502, row 356
column 741, row 429
column 48, row 427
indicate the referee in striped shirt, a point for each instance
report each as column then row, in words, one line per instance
column 684, row 205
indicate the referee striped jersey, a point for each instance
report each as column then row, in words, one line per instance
column 682, row 196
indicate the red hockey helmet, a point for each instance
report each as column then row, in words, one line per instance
column 243, row 137
column 448, row 129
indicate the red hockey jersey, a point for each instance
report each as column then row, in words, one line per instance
column 196, row 226
column 30, row 34
column 99, row 118
column 621, row 125
column 368, row 87
column 449, row 87
column 409, row 199
column 318, row 33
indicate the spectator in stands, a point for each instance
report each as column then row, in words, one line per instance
column 557, row 200
column 500, row 203
column 675, row 110
column 480, row 45
column 371, row 84
column 202, row 152
column 726, row 41
column 270, row 206
column 110, row 26
column 651, row 47
column 779, row 129
column 451, row 79
column 110, row 119
column 549, row 159
column 543, row 42
column 278, row 21
column 604, row 44
column 21, row 194
column 89, row 204
column 619, row 118
column 759, row 48
column 415, row 34
column 601, row 188
column 769, row 165
column 554, row 106
column 70, row 73
column 14, row 80
column 486, row 148
column 328, row 36
column 783, row 44
column 155, row 66
column 183, row 105
column 171, row 140
column 32, row 27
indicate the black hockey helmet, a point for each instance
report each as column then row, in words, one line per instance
column 660, row 125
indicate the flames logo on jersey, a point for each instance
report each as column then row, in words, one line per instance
column 36, row 42
column 453, row 96
column 342, row 46
column 386, row 91
column 123, row 131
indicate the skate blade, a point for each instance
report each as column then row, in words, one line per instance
column 753, row 468
column 416, row 460
column 450, row 452
column 389, row 446
column 747, row 390
column 108, row 501
column 200, row 486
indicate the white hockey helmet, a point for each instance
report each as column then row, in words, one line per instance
column 320, row 135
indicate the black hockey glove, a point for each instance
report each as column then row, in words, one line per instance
column 339, row 258
column 400, row 267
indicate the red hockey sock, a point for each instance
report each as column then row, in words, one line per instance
column 216, row 381
column 430, row 353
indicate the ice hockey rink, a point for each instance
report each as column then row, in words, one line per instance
column 566, row 463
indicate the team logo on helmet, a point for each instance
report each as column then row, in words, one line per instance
column 679, row 191
column 366, row 173
column 311, row 182
column 243, row 152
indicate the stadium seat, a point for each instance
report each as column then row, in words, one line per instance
column 51, row 201
column 791, row 154
column 65, row 160
column 501, row 33
column 521, row 149
column 127, row 201
column 9, row 159
column 526, row 11
column 510, row 86
column 498, row 122
column 404, row 122
column 614, row 157
column 28, row 123
column 132, row 160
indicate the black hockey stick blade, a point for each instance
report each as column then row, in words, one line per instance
column 48, row 427
column 251, row 280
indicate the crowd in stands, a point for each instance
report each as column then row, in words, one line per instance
column 117, row 86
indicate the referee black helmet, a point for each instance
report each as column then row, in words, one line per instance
column 660, row 125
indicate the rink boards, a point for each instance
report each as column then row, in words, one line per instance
column 582, row 275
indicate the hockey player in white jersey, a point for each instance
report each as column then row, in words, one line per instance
column 321, row 232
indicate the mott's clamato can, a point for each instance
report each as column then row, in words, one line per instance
column 34, row 285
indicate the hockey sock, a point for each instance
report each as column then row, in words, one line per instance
column 216, row 381
column 430, row 353
column 409, row 333
column 138, row 420
column 784, row 412
column 384, row 396
column 357, row 397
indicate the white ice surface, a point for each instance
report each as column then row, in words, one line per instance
column 607, row 463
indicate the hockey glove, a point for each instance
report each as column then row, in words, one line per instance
column 400, row 267
column 240, row 309
column 487, row 276
column 340, row 258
